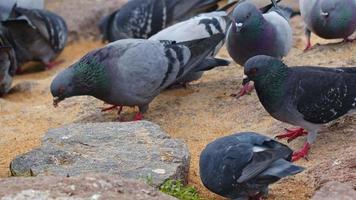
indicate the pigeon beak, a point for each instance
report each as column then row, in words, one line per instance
column 238, row 26
column 56, row 101
column 245, row 80
column 325, row 14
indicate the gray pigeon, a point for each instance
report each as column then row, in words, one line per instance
column 242, row 165
column 142, row 19
column 201, row 26
column 303, row 96
column 131, row 72
column 329, row 19
column 8, row 64
column 254, row 33
column 46, row 35
column 7, row 5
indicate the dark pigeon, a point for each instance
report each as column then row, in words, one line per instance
column 45, row 35
column 142, row 19
column 131, row 72
column 199, row 27
column 8, row 64
column 329, row 19
column 304, row 96
column 242, row 165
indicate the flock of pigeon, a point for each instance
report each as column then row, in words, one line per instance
column 157, row 44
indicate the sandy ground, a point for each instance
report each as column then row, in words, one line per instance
column 196, row 115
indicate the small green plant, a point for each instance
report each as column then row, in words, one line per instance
column 149, row 180
column 177, row 189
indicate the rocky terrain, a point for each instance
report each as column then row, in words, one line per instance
column 196, row 115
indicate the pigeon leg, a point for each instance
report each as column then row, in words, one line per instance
column 292, row 134
column 301, row 153
column 246, row 89
column 307, row 35
column 109, row 108
column 19, row 70
column 348, row 40
column 138, row 116
column 52, row 64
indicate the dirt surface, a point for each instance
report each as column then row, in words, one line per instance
column 196, row 115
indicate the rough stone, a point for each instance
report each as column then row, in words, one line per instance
column 89, row 186
column 341, row 168
column 135, row 150
column 335, row 190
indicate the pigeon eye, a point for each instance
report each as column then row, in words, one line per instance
column 61, row 90
column 253, row 71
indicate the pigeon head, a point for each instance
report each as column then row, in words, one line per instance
column 62, row 86
column 86, row 77
column 246, row 16
column 259, row 68
column 332, row 10
column 327, row 8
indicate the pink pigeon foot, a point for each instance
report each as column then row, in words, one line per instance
column 302, row 153
column 52, row 64
column 292, row 134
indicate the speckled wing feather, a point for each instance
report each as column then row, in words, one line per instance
column 324, row 94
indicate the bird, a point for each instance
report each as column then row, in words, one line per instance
column 131, row 72
column 242, row 165
column 45, row 35
column 201, row 26
column 142, row 19
column 255, row 33
column 6, row 6
column 305, row 96
column 328, row 19
column 8, row 63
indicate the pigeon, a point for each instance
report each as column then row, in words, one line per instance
column 8, row 64
column 131, row 72
column 7, row 5
column 255, row 33
column 202, row 26
column 304, row 96
column 329, row 19
column 242, row 165
column 142, row 19
column 46, row 35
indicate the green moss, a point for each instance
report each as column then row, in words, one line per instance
column 178, row 190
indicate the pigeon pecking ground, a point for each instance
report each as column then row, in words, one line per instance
column 197, row 115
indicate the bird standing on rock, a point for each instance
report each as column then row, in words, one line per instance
column 201, row 26
column 329, row 19
column 303, row 96
column 242, row 165
column 36, row 35
column 131, row 72
column 8, row 64
column 142, row 19
column 255, row 33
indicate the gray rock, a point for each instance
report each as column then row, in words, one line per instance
column 135, row 150
column 335, row 190
column 93, row 186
